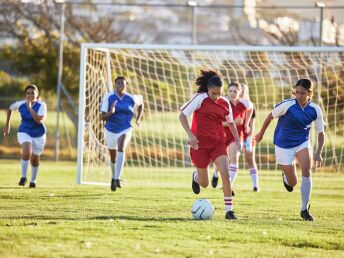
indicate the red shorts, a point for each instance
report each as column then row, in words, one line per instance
column 202, row 156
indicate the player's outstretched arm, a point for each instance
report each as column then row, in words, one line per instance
column 192, row 138
column 139, row 114
column 318, row 160
column 259, row 136
column 7, row 128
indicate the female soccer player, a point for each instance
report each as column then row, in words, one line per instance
column 206, row 136
column 118, row 110
column 32, row 132
column 249, row 143
column 291, row 139
column 242, row 111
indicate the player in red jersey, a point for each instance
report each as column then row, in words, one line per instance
column 242, row 111
column 206, row 135
column 250, row 143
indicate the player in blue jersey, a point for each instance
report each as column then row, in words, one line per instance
column 118, row 110
column 32, row 132
column 291, row 139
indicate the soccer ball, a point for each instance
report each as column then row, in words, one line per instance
column 202, row 209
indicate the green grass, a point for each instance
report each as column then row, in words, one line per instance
column 150, row 217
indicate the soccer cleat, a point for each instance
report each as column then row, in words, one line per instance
column 230, row 215
column 22, row 181
column 214, row 181
column 306, row 214
column 113, row 184
column 288, row 187
column 233, row 193
column 32, row 185
column 118, row 183
column 195, row 186
column 255, row 189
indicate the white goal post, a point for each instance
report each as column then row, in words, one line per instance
column 164, row 75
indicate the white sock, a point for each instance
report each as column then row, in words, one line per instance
column 216, row 172
column 195, row 176
column 254, row 177
column 34, row 171
column 306, row 188
column 24, row 165
column 228, row 203
column 113, row 169
column 120, row 158
column 233, row 171
column 285, row 179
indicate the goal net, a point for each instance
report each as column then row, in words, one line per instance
column 165, row 75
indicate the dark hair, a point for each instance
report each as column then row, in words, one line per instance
column 305, row 83
column 120, row 78
column 235, row 84
column 33, row 87
column 207, row 79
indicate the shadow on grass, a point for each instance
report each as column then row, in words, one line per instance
column 137, row 218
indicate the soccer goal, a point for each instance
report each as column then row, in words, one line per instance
column 165, row 75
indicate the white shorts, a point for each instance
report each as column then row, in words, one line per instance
column 37, row 143
column 287, row 156
column 111, row 139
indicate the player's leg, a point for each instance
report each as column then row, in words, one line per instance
column 304, row 157
column 234, row 154
column 220, row 158
column 222, row 165
column 26, row 146
column 37, row 149
column 123, row 142
column 285, row 158
column 252, row 165
column 111, row 143
column 201, row 159
column 215, row 178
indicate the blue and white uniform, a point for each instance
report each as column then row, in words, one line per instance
column 293, row 128
column 119, row 123
column 29, row 130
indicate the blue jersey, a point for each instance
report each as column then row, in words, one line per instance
column 294, row 122
column 28, row 125
column 124, row 110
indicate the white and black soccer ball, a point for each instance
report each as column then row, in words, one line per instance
column 202, row 209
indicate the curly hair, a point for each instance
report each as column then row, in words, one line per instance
column 207, row 79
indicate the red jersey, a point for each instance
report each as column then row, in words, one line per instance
column 239, row 112
column 208, row 115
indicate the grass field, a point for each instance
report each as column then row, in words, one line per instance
column 153, row 219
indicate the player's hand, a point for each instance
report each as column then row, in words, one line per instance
column 248, row 144
column 29, row 104
column 238, row 121
column 193, row 141
column 318, row 162
column 6, row 130
column 247, row 129
column 239, row 146
column 138, row 123
column 113, row 107
column 258, row 137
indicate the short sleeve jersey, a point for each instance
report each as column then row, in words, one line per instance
column 124, row 110
column 294, row 122
column 208, row 115
column 28, row 125
column 239, row 111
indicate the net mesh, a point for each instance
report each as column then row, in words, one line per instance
column 165, row 79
